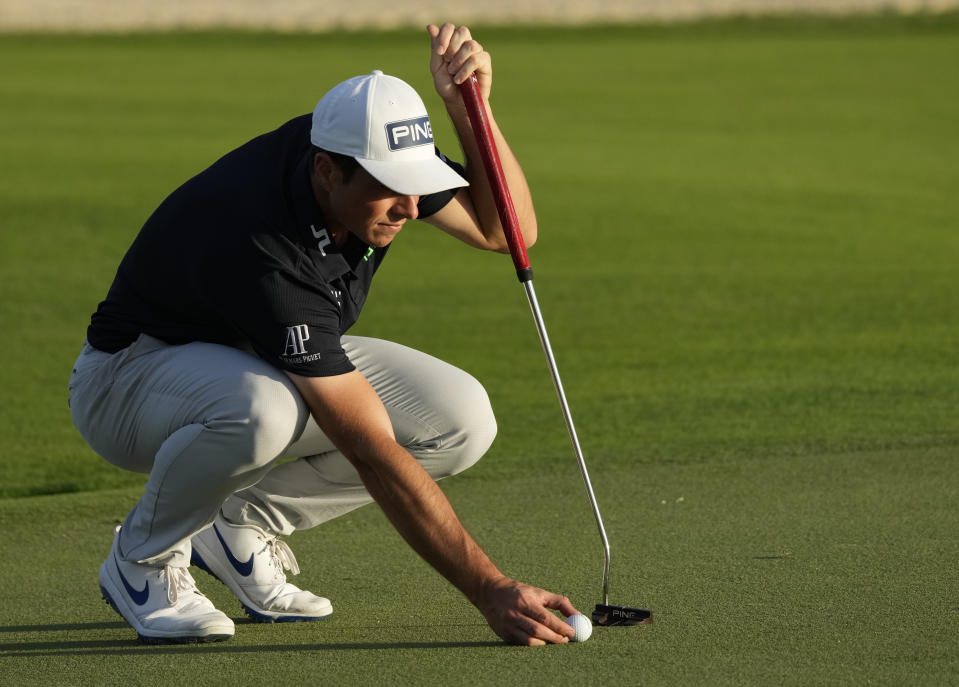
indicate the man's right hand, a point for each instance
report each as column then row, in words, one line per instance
column 521, row 614
column 454, row 55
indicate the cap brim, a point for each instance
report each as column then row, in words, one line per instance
column 414, row 177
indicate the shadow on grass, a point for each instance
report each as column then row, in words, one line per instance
column 109, row 647
column 63, row 627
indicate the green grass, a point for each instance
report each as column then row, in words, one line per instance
column 824, row 569
column 747, row 266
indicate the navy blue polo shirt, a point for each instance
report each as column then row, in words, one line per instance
column 239, row 255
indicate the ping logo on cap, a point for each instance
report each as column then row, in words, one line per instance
column 409, row 133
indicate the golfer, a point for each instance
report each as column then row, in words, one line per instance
column 219, row 364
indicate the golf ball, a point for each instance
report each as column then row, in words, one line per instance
column 582, row 626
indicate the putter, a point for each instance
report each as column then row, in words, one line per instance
column 605, row 614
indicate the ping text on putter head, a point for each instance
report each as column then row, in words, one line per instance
column 608, row 615
column 604, row 614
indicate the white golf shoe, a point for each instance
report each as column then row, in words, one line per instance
column 250, row 561
column 162, row 604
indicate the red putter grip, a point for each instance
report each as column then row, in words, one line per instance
column 497, row 180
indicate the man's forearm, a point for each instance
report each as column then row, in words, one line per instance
column 479, row 187
column 350, row 413
column 421, row 513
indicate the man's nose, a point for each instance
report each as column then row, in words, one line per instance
column 406, row 206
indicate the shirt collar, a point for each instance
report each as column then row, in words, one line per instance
column 338, row 260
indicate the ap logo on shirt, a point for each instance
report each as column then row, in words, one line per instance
column 296, row 338
column 295, row 348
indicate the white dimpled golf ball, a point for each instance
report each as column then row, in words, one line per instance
column 582, row 626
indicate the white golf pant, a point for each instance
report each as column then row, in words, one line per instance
column 213, row 425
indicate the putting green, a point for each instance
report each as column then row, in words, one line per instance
column 747, row 267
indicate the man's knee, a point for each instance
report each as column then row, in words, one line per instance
column 481, row 428
column 472, row 428
column 480, row 436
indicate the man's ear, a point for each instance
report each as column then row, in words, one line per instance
column 326, row 173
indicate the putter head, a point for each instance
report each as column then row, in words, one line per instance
column 610, row 615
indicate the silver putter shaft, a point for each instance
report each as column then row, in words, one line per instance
column 568, row 418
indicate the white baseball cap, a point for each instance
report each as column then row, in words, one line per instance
column 382, row 123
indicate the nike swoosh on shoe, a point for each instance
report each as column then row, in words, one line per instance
column 245, row 569
column 139, row 597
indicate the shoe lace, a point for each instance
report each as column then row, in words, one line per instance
column 283, row 557
column 178, row 580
